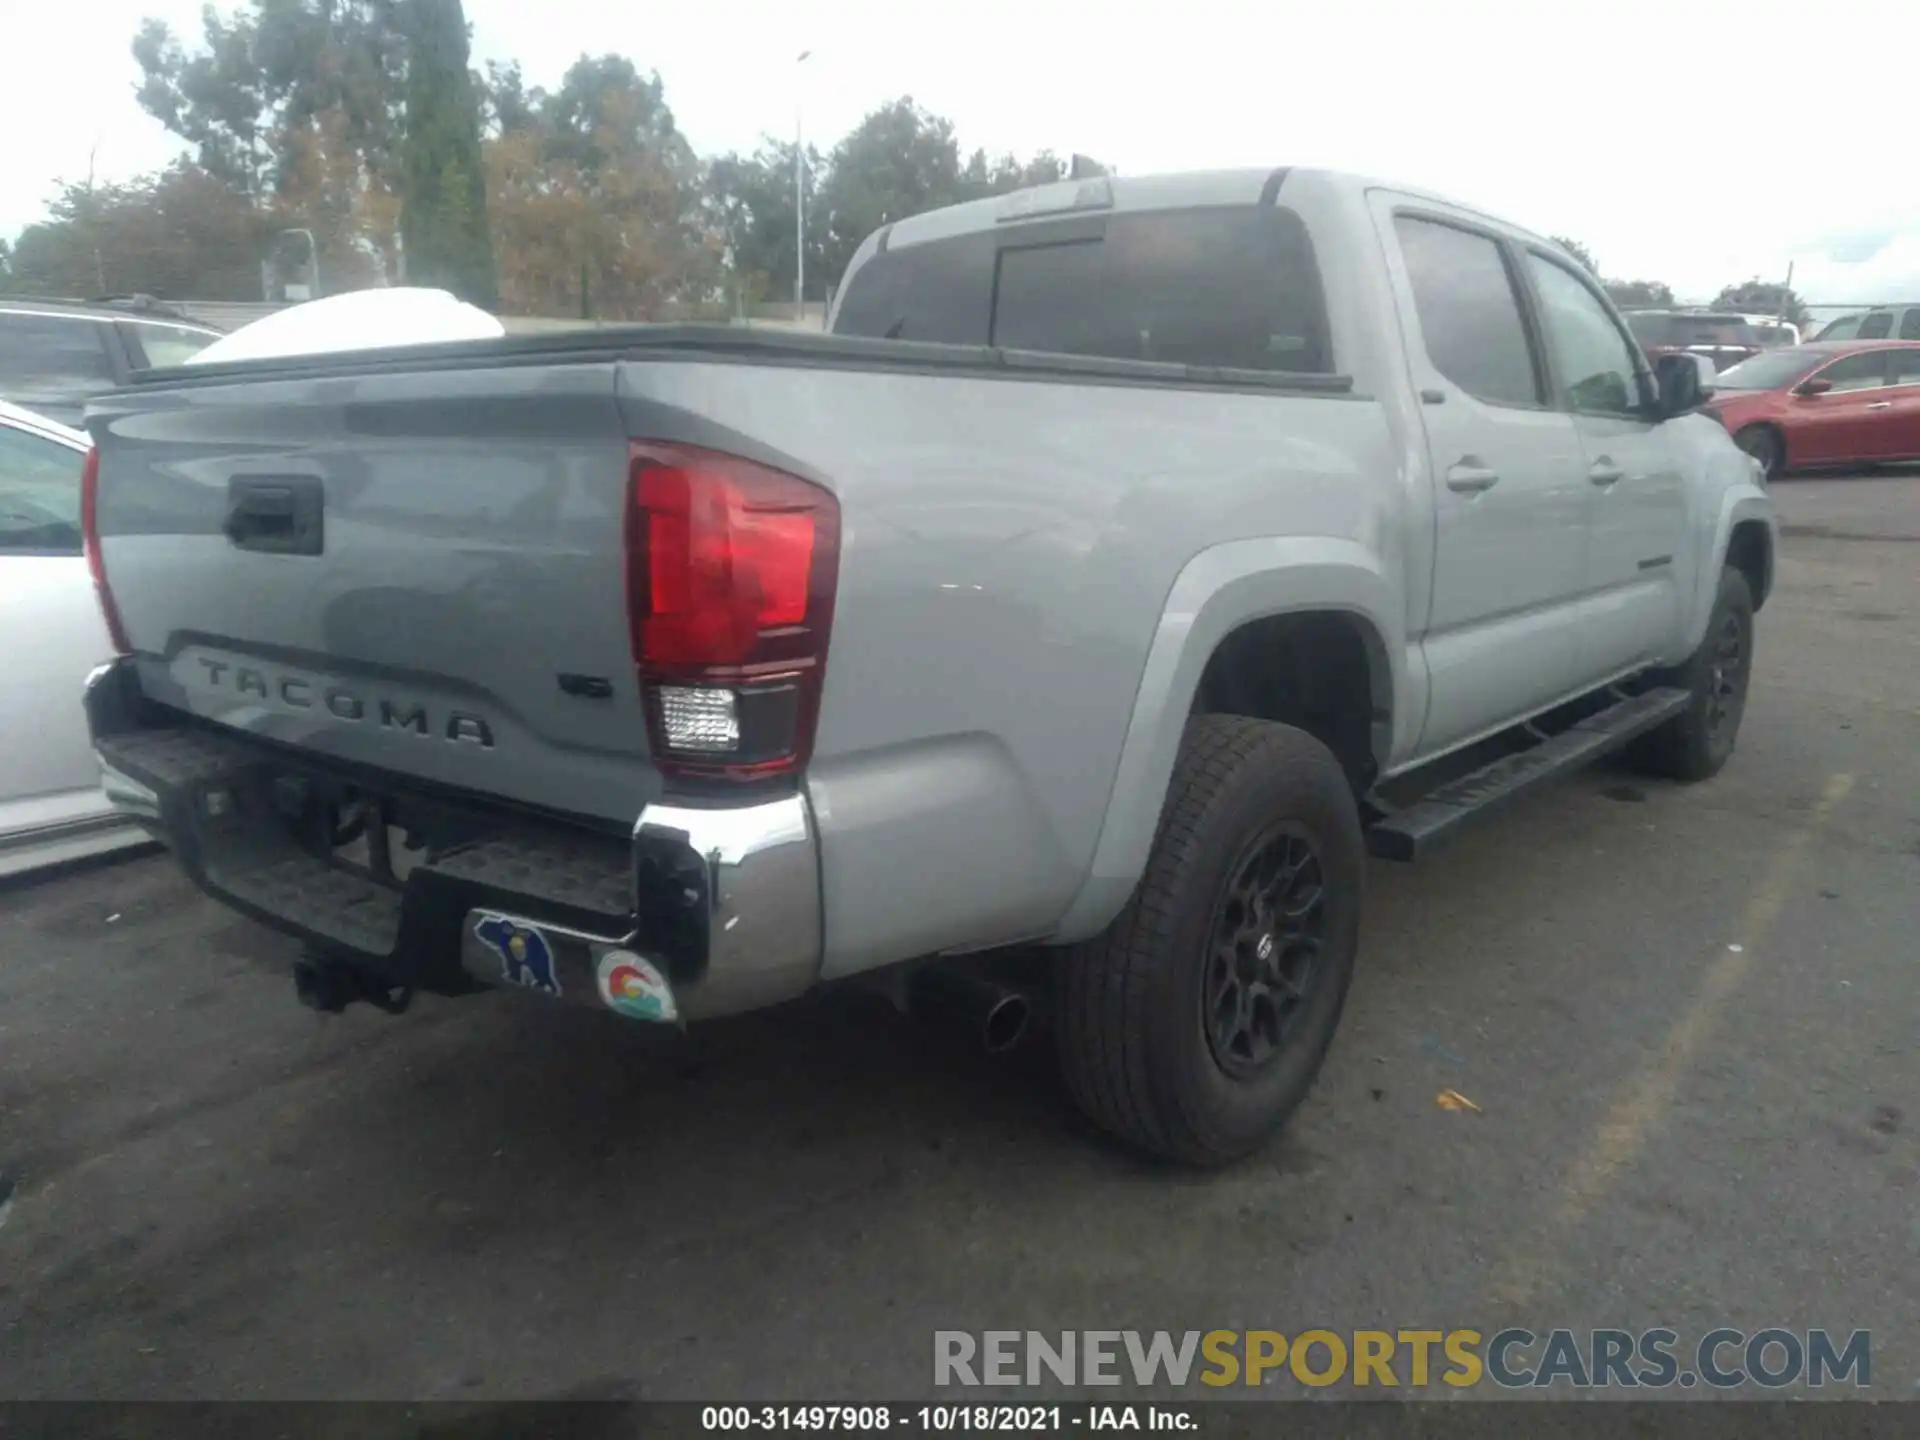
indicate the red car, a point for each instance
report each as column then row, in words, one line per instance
column 1836, row 403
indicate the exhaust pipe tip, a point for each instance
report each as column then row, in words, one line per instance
column 1006, row 1024
column 995, row 1014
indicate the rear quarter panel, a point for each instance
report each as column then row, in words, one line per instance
column 1009, row 550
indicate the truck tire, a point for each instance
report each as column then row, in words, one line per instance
column 1765, row 444
column 1195, row 1025
column 1698, row 741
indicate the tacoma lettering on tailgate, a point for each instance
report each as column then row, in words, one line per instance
column 299, row 693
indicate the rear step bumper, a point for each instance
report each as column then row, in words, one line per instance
column 701, row 911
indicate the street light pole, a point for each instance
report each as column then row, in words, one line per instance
column 799, row 203
column 313, row 259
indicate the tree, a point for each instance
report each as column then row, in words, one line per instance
column 1640, row 294
column 443, row 216
column 6, row 265
column 1579, row 252
column 1008, row 172
column 750, row 200
column 505, row 101
column 593, row 187
column 1762, row 297
column 180, row 233
column 897, row 162
column 298, row 104
column 606, row 111
column 900, row 161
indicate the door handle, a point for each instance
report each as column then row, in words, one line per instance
column 1881, row 405
column 277, row 515
column 1605, row 472
column 1469, row 477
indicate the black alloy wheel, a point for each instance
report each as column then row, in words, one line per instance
column 1269, row 927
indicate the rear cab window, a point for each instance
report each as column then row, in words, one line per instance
column 1713, row 330
column 1649, row 329
column 1218, row 286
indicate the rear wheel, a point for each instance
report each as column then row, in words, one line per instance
column 1699, row 740
column 1195, row 1025
column 1764, row 444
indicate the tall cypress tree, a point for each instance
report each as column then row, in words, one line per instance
column 443, row 215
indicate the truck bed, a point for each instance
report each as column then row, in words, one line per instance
column 1011, row 526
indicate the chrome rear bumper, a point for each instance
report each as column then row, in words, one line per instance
column 710, row 908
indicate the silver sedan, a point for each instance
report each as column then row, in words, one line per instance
column 51, row 631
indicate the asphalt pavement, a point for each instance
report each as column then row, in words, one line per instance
column 1689, row 1019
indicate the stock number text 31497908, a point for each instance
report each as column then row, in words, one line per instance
column 869, row 1418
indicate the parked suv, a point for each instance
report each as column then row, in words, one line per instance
column 56, row 353
column 1724, row 339
column 1883, row 322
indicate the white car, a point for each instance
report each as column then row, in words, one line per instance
column 51, row 805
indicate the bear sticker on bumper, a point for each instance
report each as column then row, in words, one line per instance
column 526, row 958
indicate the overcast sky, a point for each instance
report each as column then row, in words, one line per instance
column 1691, row 141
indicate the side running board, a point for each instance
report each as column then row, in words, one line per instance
column 1404, row 833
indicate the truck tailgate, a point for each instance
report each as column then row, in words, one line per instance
column 418, row 571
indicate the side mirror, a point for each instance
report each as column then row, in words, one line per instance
column 1815, row 386
column 1686, row 382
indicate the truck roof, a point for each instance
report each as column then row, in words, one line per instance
column 1177, row 190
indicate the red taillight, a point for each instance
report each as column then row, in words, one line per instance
column 731, row 568
column 96, row 562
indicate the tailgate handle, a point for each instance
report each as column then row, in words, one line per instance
column 281, row 515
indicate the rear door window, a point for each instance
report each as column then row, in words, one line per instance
column 1469, row 311
column 1877, row 326
column 52, row 363
column 39, row 495
column 1910, row 323
column 1906, row 367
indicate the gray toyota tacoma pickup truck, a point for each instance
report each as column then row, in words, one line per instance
column 1132, row 558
